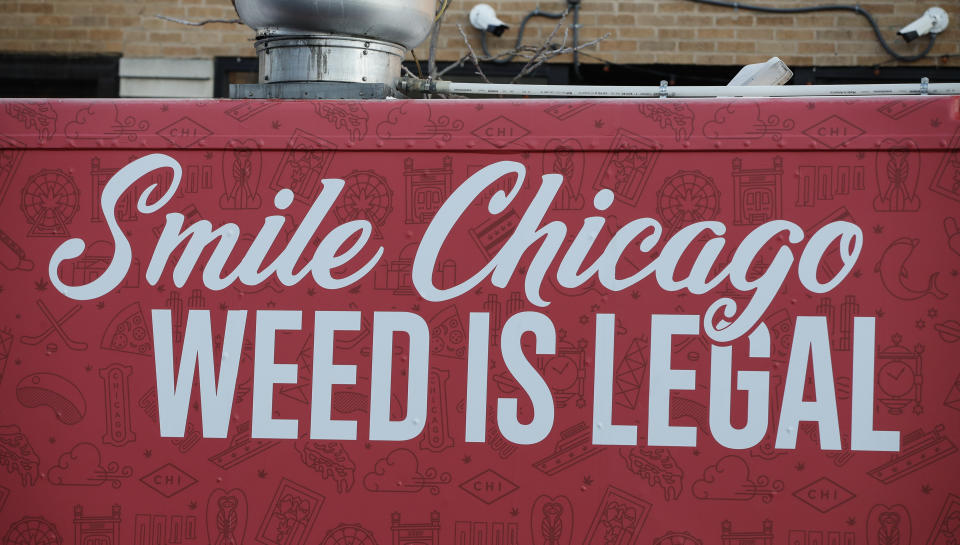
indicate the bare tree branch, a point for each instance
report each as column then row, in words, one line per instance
column 535, row 55
column 432, row 58
column 473, row 54
column 543, row 47
column 457, row 64
column 198, row 23
column 529, row 68
column 566, row 50
column 435, row 39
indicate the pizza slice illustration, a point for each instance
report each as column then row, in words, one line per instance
column 128, row 332
column 447, row 336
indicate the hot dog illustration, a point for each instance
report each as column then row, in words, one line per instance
column 54, row 391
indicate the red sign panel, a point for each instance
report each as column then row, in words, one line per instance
column 480, row 322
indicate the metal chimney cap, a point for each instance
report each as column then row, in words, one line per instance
column 403, row 22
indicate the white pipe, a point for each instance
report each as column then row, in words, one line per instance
column 680, row 91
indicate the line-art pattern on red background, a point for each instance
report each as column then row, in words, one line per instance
column 82, row 456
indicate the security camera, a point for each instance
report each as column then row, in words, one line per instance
column 933, row 21
column 484, row 18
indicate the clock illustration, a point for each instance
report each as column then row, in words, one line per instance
column 564, row 373
column 560, row 373
column 899, row 378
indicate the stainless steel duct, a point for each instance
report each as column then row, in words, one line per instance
column 351, row 41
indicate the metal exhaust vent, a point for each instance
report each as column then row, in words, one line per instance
column 353, row 47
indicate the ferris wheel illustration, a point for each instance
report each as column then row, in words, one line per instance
column 678, row 538
column 366, row 196
column 32, row 531
column 49, row 200
column 687, row 197
column 349, row 534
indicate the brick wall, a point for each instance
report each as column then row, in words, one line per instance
column 682, row 32
column 128, row 27
column 640, row 31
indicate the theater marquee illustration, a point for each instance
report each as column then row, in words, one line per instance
column 612, row 322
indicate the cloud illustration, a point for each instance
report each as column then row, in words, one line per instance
column 417, row 124
column 735, row 121
column 82, row 466
column 398, row 472
column 79, row 467
column 98, row 121
column 729, row 479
